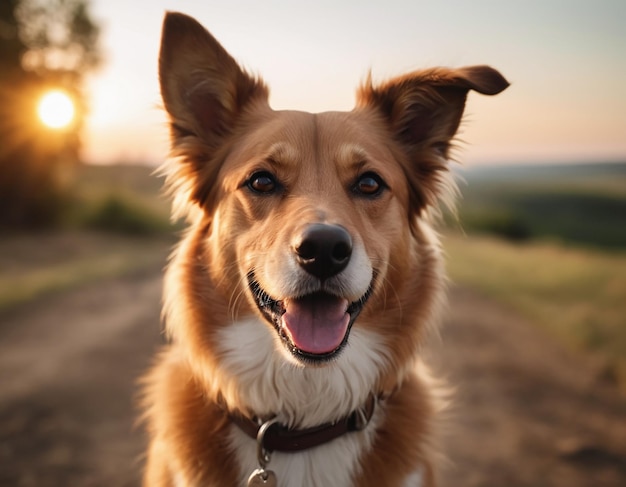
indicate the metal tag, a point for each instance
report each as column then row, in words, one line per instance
column 262, row 478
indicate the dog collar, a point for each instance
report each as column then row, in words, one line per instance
column 277, row 437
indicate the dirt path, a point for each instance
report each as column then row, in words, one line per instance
column 526, row 412
column 68, row 367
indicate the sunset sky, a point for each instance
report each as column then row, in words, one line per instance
column 566, row 61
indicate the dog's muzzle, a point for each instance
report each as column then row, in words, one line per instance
column 314, row 326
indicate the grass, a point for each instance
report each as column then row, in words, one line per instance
column 118, row 199
column 575, row 294
column 114, row 223
column 32, row 266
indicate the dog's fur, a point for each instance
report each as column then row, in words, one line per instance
column 253, row 182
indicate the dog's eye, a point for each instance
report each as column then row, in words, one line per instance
column 369, row 184
column 262, row 182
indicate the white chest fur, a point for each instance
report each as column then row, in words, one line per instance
column 269, row 383
column 331, row 464
column 258, row 375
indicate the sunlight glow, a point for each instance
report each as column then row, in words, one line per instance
column 56, row 109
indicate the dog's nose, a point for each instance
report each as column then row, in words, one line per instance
column 324, row 250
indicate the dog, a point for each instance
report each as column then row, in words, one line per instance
column 300, row 295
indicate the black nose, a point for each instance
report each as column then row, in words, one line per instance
column 323, row 250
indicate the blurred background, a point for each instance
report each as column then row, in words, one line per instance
column 535, row 340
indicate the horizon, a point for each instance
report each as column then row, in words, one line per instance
column 454, row 166
column 564, row 61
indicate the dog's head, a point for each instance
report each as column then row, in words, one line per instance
column 314, row 223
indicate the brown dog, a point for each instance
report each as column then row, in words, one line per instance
column 299, row 296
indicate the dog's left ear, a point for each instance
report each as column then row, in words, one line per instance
column 424, row 110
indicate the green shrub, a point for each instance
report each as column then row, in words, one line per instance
column 120, row 215
column 502, row 224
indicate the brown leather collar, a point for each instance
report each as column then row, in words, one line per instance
column 280, row 438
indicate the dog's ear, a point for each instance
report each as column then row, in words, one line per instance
column 424, row 110
column 205, row 92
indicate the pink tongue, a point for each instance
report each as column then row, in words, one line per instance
column 317, row 323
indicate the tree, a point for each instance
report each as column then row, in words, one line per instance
column 44, row 44
column 11, row 47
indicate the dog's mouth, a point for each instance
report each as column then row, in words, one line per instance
column 313, row 327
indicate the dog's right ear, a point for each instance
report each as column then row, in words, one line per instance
column 204, row 92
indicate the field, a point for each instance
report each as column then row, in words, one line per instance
column 115, row 225
column 31, row 268
column 539, row 317
column 577, row 295
column 581, row 205
column 551, row 243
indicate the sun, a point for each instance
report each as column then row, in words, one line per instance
column 56, row 109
